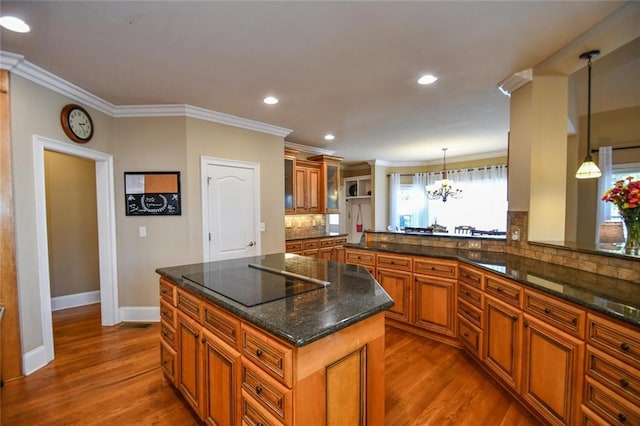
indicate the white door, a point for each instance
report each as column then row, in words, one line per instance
column 233, row 210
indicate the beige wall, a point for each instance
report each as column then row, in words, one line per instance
column 137, row 144
column 72, row 223
column 520, row 140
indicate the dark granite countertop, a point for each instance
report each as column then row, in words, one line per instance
column 617, row 298
column 352, row 295
column 322, row 235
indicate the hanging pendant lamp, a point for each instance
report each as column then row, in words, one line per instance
column 446, row 189
column 588, row 169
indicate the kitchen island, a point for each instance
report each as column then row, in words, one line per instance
column 279, row 339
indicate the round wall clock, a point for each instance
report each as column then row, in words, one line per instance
column 76, row 123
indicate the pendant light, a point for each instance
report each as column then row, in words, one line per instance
column 446, row 189
column 588, row 169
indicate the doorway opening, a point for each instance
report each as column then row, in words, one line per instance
column 107, row 260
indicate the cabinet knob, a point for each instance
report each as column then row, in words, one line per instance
column 203, row 340
column 547, row 311
column 515, row 318
column 258, row 389
column 624, row 383
column 465, row 334
column 499, row 289
column 196, row 335
column 624, row 346
column 574, row 321
column 258, row 353
column 526, row 324
column 622, row 417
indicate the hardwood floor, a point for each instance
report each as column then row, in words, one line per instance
column 111, row 376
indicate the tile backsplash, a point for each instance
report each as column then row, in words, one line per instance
column 302, row 225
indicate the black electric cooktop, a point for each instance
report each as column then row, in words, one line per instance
column 254, row 281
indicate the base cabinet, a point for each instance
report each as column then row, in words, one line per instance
column 232, row 373
column 397, row 284
column 435, row 304
column 502, row 332
column 551, row 371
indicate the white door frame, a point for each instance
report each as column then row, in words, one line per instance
column 204, row 197
column 106, row 233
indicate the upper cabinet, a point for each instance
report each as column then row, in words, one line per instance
column 329, row 182
column 311, row 185
column 357, row 187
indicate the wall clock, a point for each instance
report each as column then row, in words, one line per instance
column 76, row 123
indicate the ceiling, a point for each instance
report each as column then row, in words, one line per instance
column 348, row 68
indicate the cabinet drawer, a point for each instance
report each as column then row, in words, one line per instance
column 168, row 334
column 589, row 418
column 339, row 241
column 615, row 374
column 274, row 397
column 327, row 242
column 310, row 244
column 608, row 405
column 273, row 357
column 561, row 315
column 254, row 415
column 470, row 336
column 510, row 293
column 471, row 313
column 361, row 258
column 168, row 314
column 168, row 362
column 189, row 304
column 222, row 324
column 434, row 268
column 168, row 291
column 471, row 295
column 402, row 263
column 615, row 339
column 470, row 276
column 294, row 246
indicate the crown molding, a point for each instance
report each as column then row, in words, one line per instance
column 308, row 149
column 16, row 64
column 515, row 81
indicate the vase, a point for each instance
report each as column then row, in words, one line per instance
column 632, row 225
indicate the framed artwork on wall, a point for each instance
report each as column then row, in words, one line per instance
column 152, row 193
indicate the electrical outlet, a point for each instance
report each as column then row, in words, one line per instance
column 515, row 233
column 475, row 244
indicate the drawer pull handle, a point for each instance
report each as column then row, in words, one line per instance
column 203, row 340
column 624, row 383
column 196, row 335
column 499, row 290
column 164, row 334
column 465, row 334
column 624, row 346
column 164, row 291
column 526, row 324
column 165, row 362
column 514, row 318
column 622, row 417
column 547, row 311
column 258, row 389
column 258, row 353
column 574, row 321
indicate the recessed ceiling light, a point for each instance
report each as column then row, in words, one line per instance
column 427, row 79
column 329, row 137
column 271, row 100
column 12, row 23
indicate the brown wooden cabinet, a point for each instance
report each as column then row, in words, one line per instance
column 502, row 343
column 363, row 258
column 329, row 182
column 289, row 183
column 551, row 371
column 327, row 248
column 307, row 187
column 435, row 304
column 232, row 373
column 397, row 284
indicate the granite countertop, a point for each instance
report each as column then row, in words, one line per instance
column 321, row 235
column 352, row 295
column 614, row 297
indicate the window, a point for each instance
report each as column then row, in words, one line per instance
column 483, row 204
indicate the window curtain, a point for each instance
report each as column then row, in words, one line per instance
column 419, row 190
column 394, row 195
column 604, row 182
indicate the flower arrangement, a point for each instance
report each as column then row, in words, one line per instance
column 625, row 194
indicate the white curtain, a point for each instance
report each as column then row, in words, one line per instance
column 483, row 203
column 394, row 195
column 603, row 211
column 419, row 190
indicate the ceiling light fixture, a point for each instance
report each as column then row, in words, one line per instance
column 12, row 23
column 588, row 169
column 329, row 137
column 271, row 100
column 427, row 79
column 446, row 189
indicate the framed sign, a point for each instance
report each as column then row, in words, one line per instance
column 152, row 193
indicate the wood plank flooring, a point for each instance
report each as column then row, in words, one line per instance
column 111, row 376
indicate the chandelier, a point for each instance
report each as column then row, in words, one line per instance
column 446, row 189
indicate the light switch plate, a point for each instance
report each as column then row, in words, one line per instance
column 142, row 231
column 262, row 227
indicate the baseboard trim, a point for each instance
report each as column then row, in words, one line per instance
column 34, row 360
column 75, row 300
column 140, row 313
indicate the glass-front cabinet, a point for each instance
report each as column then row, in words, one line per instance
column 329, row 182
column 289, row 190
